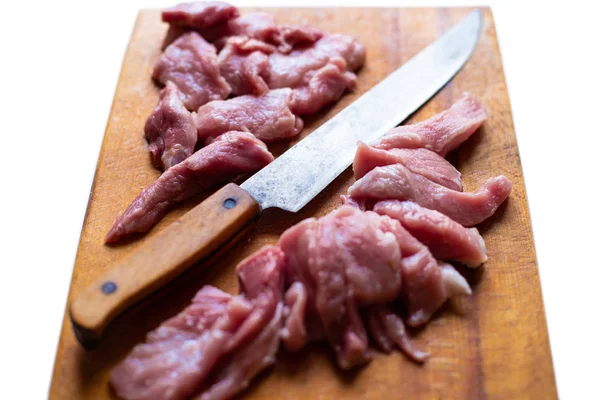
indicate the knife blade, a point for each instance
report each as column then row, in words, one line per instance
column 288, row 183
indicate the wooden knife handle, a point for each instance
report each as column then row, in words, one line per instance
column 191, row 238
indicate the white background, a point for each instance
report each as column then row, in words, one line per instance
column 59, row 64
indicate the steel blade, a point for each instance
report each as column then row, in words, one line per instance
column 298, row 175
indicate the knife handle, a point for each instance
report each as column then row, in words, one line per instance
column 163, row 257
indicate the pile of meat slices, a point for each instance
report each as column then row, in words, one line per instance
column 351, row 278
column 232, row 83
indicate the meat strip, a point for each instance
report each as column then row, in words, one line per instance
column 420, row 161
column 324, row 86
column 170, row 130
column 445, row 238
column 243, row 63
column 267, row 117
column 199, row 14
column 179, row 355
column 191, row 63
column 396, row 182
column 441, row 133
column 388, row 329
column 216, row 345
column 228, row 157
column 293, row 334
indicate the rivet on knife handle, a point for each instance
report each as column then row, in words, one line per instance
column 160, row 259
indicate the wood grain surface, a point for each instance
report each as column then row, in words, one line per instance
column 493, row 344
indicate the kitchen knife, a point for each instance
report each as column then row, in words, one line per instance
column 288, row 183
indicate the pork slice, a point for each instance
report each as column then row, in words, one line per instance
column 291, row 36
column 235, row 375
column 253, row 346
column 396, row 182
column 244, row 62
column 343, row 260
column 420, row 161
column 257, row 25
column 290, row 70
column 387, row 329
column 199, row 14
column 170, row 130
column 178, row 356
column 228, row 157
column 190, row 62
column 445, row 238
column 325, row 86
column 426, row 284
column 441, row 133
column 293, row 333
column 267, row 117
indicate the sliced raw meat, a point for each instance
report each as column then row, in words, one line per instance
column 291, row 36
column 387, row 329
column 325, row 85
column 199, row 15
column 294, row 334
column 228, row 157
column 346, row 260
column 441, row 133
column 170, row 130
column 420, row 161
column 267, row 117
column 446, row 239
column 426, row 284
column 182, row 351
column 253, row 347
column 217, row 344
column 190, row 62
column 244, row 364
column 396, row 182
column 290, row 70
column 243, row 63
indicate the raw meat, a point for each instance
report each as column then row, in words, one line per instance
column 178, row 356
column 199, row 15
column 243, row 63
column 420, row 161
column 290, row 70
column 170, row 130
column 267, row 117
column 190, row 62
column 325, row 85
column 293, row 334
column 228, row 157
column 446, row 239
column 350, row 260
column 387, row 330
column 441, row 133
column 217, row 344
column 396, row 182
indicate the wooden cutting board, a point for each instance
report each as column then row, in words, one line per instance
column 493, row 344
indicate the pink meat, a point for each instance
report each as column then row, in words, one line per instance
column 179, row 355
column 441, row 133
column 199, row 15
column 345, row 260
column 267, row 117
column 228, row 157
column 420, row 161
column 293, row 334
column 290, row 70
column 324, row 86
column 214, row 346
column 427, row 284
column 291, row 36
column 190, row 62
column 387, row 330
column 170, row 130
column 396, row 182
column 446, row 239
column 243, row 63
